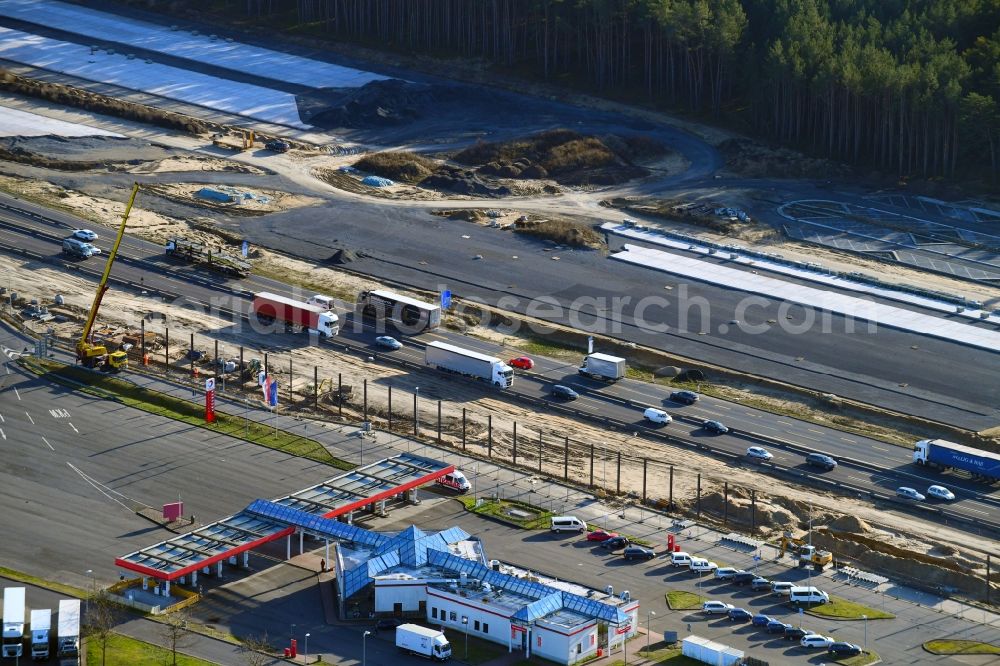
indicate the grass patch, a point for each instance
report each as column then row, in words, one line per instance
column 125, row 651
column 498, row 509
column 957, row 646
column 480, row 651
column 683, row 600
column 842, row 609
column 41, row 582
column 661, row 654
column 564, row 232
column 402, row 167
column 542, row 347
column 862, row 659
column 154, row 402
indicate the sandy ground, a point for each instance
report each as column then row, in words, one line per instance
column 195, row 162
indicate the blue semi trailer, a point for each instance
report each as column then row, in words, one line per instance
column 942, row 454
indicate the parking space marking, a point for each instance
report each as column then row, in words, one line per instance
column 3, row 434
column 29, row 418
column 17, row 393
column 74, row 428
column 47, row 443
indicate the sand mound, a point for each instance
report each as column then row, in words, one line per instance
column 342, row 257
column 851, row 524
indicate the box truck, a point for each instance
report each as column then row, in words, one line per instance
column 603, row 366
column 68, row 644
column 13, row 621
column 295, row 314
column 408, row 314
column 942, row 455
column 450, row 358
column 423, row 642
column 709, row 652
column 41, row 624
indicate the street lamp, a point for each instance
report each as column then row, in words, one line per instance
column 364, row 648
column 307, row 648
column 865, row 618
column 465, row 623
column 649, row 615
column 93, row 587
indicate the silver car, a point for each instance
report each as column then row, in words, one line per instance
column 910, row 493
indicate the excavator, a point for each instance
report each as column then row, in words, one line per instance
column 805, row 553
column 87, row 353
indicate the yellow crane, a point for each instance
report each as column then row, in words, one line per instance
column 97, row 356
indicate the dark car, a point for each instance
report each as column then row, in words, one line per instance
column 743, row 577
column 638, row 553
column 740, row 615
column 821, row 460
column 564, row 392
column 715, row 427
column 761, row 620
column 684, row 397
column 795, row 633
column 842, row 649
column 777, row 627
column 759, row 583
column 387, row 623
column 614, row 543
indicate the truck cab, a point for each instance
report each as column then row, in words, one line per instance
column 503, row 375
column 41, row 625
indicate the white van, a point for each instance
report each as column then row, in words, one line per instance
column 454, row 481
column 808, row 595
column 319, row 300
column 782, row 589
column 654, row 415
column 680, row 559
column 701, row 565
column 567, row 523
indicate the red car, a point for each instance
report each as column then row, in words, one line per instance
column 522, row 362
column 601, row 535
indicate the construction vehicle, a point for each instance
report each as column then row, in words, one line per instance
column 239, row 139
column 805, row 553
column 91, row 355
column 202, row 255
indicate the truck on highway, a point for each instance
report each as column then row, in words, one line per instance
column 603, row 366
column 13, row 621
column 423, row 642
column 68, row 638
column 41, row 624
column 941, row 454
column 296, row 315
column 466, row 362
column 408, row 314
column 202, row 255
column 74, row 247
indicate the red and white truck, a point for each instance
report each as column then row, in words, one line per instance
column 296, row 314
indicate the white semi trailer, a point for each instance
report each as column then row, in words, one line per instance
column 466, row 362
column 68, row 644
column 13, row 621
column 41, row 626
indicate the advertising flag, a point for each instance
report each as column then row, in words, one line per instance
column 272, row 397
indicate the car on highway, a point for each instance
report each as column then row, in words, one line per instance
column 715, row 427
column 842, row 649
column 797, row 633
column 759, row 453
column 777, row 627
column 614, row 543
column 84, row 235
column 909, row 493
column 714, row 607
column 657, row 416
column 816, row 641
column 388, row 342
column 601, row 535
column 743, row 577
column 633, row 552
column 725, row 573
column 521, row 363
column 941, row 493
column 759, row 584
column 684, row 397
column 821, row 460
column 761, row 620
column 563, row 392
column 740, row 615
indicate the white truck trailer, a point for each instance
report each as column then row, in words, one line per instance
column 68, row 644
column 13, row 621
column 423, row 642
column 41, row 625
column 466, row 362
column 603, row 366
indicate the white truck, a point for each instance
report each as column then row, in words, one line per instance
column 13, row 621
column 466, row 362
column 68, row 639
column 454, row 481
column 603, row 366
column 41, row 625
column 423, row 642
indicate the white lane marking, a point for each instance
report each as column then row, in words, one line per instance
column 2, row 419
column 74, row 428
column 47, row 443
column 59, row 413
column 880, row 448
column 17, row 393
column 3, row 434
column 29, row 418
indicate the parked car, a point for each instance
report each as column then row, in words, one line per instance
column 777, row 627
column 740, row 615
column 564, row 392
column 701, row 565
column 521, row 363
column 909, row 493
column 743, row 577
column 633, row 552
column 614, row 543
column 759, row 453
column 781, row 588
column 387, row 623
column 941, row 493
column 715, row 427
column 761, row 620
column 821, row 460
column 684, row 397
column 725, row 573
column 715, row 607
column 816, row 641
column 796, row 633
column 759, row 584
column 601, row 535
column 842, row 649
column 388, row 342
column 84, row 235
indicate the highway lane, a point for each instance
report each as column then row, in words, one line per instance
column 598, row 400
